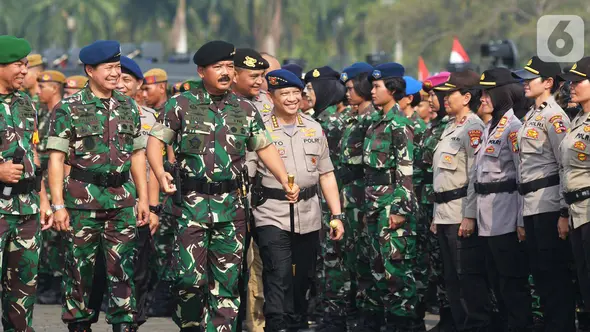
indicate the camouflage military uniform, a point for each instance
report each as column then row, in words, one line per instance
column 430, row 140
column 20, row 234
column 388, row 159
column 210, row 140
column 99, row 136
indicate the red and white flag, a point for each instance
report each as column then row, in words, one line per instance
column 422, row 70
column 458, row 54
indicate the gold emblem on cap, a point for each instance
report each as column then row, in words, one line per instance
column 529, row 63
column 483, row 76
column 316, row 73
column 574, row 66
column 250, row 62
column 46, row 77
column 233, row 52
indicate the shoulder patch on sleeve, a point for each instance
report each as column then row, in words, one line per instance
column 513, row 136
column 555, row 118
column 474, row 138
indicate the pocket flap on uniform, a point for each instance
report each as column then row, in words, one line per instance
column 312, row 149
column 531, row 145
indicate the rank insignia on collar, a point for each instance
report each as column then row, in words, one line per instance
column 503, row 121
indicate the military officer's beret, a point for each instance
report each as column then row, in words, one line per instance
column 294, row 68
column 536, row 67
column 155, row 75
column 320, row 74
column 13, row 49
column 248, row 58
column 435, row 80
column 101, row 51
column 354, row 70
column 35, row 60
column 282, row 78
column 188, row 85
column 51, row 76
column 412, row 85
column 214, row 51
column 387, row 70
column 128, row 66
column 76, row 82
column 460, row 80
column 580, row 71
column 495, row 77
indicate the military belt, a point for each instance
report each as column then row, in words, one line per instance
column 107, row 180
column 202, row 186
column 348, row 173
column 576, row 195
column 379, row 179
column 450, row 195
column 24, row 186
column 529, row 187
column 487, row 188
column 279, row 194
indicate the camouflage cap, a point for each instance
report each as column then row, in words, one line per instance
column 13, row 49
column 76, row 82
column 155, row 75
column 35, row 60
column 52, row 76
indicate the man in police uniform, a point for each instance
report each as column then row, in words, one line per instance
column 74, row 84
column 210, row 129
column 51, row 260
column 250, row 67
column 545, row 212
column 98, row 130
column 23, row 198
column 304, row 150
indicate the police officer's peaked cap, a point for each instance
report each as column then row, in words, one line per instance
column 294, row 68
column 536, row 67
column 580, row 71
column 248, row 58
column 322, row 73
column 128, row 66
column 387, row 70
column 460, row 80
column 495, row 77
column 282, row 78
column 354, row 70
column 13, row 49
column 101, row 51
column 412, row 85
column 214, row 51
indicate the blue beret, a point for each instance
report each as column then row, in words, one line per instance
column 387, row 70
column 322, row 73
column 282, row 78
column 294, row 68
column 412, row 85
column 354, row 70
column 129, row 66
column 101, row 51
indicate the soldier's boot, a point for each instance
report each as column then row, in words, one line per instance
column 369, row 321
column 332, row 323
column 79, row 327
column 124, row 327
column 445, row 323
column 583, row 321
column 44, row 292
column 161, row 304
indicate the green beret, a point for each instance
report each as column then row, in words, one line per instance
column 13, row 49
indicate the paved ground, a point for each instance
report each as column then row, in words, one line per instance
column 47, row 318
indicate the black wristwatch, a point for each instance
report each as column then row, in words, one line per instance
column 564, row 213
column 340, row 217
column 156, row 209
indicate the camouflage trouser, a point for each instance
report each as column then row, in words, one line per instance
column 436, row 275
column 393, row 259
column 208, row 264
column 51, row 259
column 164, row 242
column 341, row 259
column 113, row 232
column 20, row 238
column 536, row 305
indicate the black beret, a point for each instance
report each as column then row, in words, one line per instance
column 248, row 58
column 322, row 73
column 214, row 51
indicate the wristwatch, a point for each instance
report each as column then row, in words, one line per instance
column 156, row 209
column 58, row 207
column 340, row 217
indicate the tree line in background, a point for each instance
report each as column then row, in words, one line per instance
column 335, row 32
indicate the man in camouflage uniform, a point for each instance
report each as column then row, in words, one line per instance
column 30, row 84
column 98, row 131
column 23, row 197
column 210, row 129
column 74, row 84
column 391, row 205
column 250, row 67
column 51, row 259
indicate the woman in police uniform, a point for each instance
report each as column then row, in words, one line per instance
column 575, row 159
column 454, row 209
